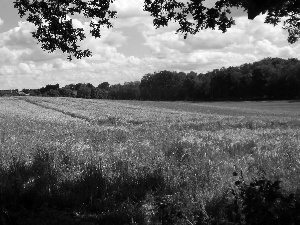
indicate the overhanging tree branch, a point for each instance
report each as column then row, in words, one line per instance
column 55, row 29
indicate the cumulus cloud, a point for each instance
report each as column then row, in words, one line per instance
column 19, row 37
column 8, row 56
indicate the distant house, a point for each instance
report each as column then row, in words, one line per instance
column 12, row 92
column 21, row 93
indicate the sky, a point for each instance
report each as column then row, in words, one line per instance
column 133, row 48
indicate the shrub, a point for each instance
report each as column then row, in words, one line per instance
column 264, row 202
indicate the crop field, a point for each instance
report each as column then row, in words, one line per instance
column 138, row 162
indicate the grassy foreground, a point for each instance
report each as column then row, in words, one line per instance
column 76, row 161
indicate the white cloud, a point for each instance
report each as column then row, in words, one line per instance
column 24, row 68
column 63, row 64
column 7, row 56
column 19, row 37
column 1, row 21
column 7, row 70
column 129, row 8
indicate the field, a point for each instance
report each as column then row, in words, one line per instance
column 130, row 162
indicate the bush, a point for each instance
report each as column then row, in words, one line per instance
column 264, row 202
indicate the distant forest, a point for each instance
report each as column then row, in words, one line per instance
column 268, row 79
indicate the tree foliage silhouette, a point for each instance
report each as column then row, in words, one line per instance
column 55, row 30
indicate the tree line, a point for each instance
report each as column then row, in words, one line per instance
column 268, row 79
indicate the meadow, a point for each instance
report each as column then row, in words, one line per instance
column 83, row 161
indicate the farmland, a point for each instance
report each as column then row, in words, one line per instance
column 118, row 159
